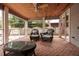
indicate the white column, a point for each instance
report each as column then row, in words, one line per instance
column 65, row 27
column 49, row 24
column 69, row 23
column 5, row 25
column 43, row 23
column 60, row 28
column 26, row 28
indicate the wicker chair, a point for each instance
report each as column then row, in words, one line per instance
column 34, row 34
column 47, row 36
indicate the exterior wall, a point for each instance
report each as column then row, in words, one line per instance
column 64, row 25
column 68, row 27
column 75, row 24
column 62, row 22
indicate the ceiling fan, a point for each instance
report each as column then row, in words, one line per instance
column 38, row 6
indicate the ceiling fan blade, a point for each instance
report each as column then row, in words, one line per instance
column 36, row 7
column 43, row 6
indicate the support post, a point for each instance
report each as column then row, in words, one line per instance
column 60, row 28
column 49, row 24
column 5, row 25
column 26, row 28
column 43, row 23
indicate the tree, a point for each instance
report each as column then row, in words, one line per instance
column 16, row 22
column 35, row 23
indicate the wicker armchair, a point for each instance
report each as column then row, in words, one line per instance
column 47, row 36
column 34, row 34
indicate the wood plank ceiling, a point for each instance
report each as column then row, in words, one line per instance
column 27, row 10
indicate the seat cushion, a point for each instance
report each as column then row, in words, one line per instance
column 47, row 35
column 34, row 35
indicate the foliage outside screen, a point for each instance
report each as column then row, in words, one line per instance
column 16, row 22
column 35, row 23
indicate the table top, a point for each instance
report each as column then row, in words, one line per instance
column 19, row 45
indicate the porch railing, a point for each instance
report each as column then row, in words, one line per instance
column 14, row 31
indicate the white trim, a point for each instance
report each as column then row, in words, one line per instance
column 5, row 25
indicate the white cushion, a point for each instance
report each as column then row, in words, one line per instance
column 34, row 35
column 47, row 35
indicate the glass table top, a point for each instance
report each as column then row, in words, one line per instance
column 20, row 45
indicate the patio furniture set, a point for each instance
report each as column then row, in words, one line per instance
column 44, row 36
column 27, row 48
